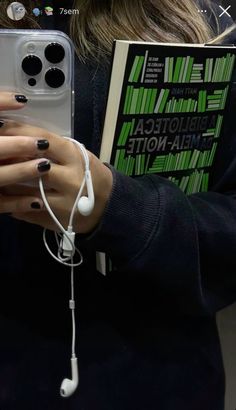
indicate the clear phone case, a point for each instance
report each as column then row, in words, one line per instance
column 40, row 65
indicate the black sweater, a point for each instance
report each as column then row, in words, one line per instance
column 147, row 336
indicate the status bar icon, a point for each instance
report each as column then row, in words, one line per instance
column 36, row 11
column 48, row 10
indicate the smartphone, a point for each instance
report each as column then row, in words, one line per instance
column 40, row 65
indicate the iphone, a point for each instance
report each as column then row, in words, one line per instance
column 40, row 65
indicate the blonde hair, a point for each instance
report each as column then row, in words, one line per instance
column 101, row 21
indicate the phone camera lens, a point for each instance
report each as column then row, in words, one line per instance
column 32, row 65
column 54, row 77
column 32, row 82
column 54, row 53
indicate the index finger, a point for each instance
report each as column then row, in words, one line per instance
column 60, row 150
column 11, row 101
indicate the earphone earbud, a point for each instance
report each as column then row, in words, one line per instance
column 86, row 203
column 68, row 386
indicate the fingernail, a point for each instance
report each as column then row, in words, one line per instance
column 21, row 98
column 44, row 166
column 1, row 123
column 35, row 205
column 42, row 144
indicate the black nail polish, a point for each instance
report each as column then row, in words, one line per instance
column 35, row 205
column 21, row 98
column 1, row 123
column 42, row 144
column 44, row 166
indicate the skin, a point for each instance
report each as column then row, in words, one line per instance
column 19, row 158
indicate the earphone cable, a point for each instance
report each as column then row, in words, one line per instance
column 66, row 250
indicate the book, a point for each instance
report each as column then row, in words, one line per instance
column 165, row 111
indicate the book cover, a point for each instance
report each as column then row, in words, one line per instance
column 165, row 110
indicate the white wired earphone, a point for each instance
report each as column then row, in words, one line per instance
column 66, row 251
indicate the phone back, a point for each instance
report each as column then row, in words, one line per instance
column 40, row 65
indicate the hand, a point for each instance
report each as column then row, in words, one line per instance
column 12, row 153
column 62, row 181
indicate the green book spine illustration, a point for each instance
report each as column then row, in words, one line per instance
column 136, row 69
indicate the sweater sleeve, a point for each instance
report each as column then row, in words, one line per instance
column 183, row 245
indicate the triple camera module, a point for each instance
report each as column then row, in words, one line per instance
column 32, row 66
